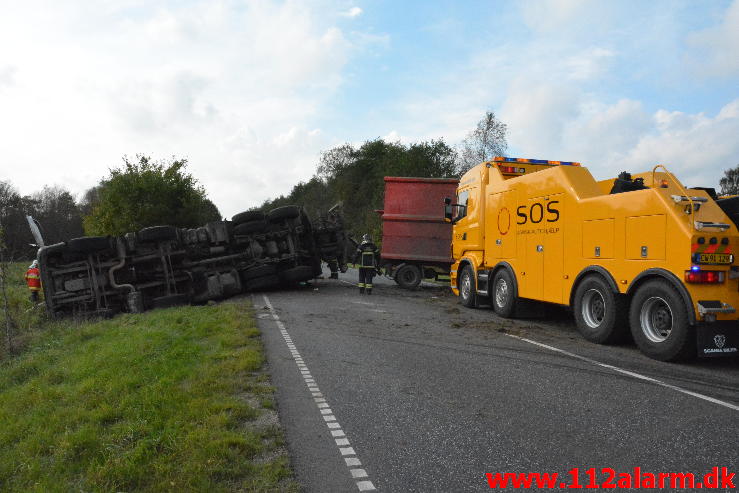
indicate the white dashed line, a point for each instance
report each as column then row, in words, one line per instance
column 629, row 373
column 337, row 433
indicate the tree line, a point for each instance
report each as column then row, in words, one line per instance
column 145, row 192
column 142, row 192
column 354, row 175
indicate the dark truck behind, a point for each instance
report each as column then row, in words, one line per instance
column 416, row 241
column 163, row 266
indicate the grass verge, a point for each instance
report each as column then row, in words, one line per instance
column 26, row 319
column 162, row 401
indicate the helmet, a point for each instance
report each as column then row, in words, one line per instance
column 366, row 238
column 33, row 265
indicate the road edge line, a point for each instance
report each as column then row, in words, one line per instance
column 632, row 374
column 342, row 443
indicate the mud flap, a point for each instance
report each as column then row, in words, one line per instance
column 718, row 339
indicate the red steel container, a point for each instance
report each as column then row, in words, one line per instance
column 413, row 227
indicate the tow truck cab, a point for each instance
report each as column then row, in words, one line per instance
column 640, row 251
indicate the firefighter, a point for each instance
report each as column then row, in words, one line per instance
column 33, row 279
column 368, row 258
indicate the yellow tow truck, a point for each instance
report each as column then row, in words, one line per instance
column 637, row 252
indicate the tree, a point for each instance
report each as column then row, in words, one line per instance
column 89, row 200
column 58, row 214
column 485, row 142
column 730, row 182
column 146, row 193
column 355, row 177
column 10, row 323
column 13, row 211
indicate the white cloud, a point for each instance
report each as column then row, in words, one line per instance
column 7, row 75
column 715, row 50
column 556, row 122
column 234, row 87
column 352, row 12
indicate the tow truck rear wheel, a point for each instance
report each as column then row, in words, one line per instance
column 659, row 322
column 467, row 287
column 599, row 312
column 504, row 299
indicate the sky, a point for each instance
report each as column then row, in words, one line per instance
column 251, row 92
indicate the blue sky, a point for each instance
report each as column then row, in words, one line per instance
column 252, row 91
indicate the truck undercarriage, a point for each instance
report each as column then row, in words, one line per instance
column 162, row 266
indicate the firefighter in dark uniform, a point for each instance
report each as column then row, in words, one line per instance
column 367, row 257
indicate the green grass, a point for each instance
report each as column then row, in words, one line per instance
column 169, row 400
column 26, row 317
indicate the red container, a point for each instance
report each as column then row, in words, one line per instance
column 413, row 228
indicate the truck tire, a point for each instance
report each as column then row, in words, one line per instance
column 89, row 244
column 408, row 276
column 246, row 216
column 158, row 233
column 264, row 282
column 259, row 271
column 467, row 294
column 599, row 312
column 659, row 322
column 503, row 294
column 297, row 274
column 284, row 212
column 251, row 227
column 168, row 301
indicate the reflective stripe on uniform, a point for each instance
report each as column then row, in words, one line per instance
column 33, row 279
column 361, row 284
column 368, row 286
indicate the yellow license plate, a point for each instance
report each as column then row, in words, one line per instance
column 716, row 258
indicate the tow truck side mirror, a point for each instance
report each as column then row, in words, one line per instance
column 448, row 210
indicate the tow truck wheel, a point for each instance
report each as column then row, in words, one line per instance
column 467, row 287
column 599, row 312
column 659, row 322
column 504, row 300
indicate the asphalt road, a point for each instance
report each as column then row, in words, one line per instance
column 410, row 391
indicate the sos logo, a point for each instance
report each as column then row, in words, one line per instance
column 536, row 213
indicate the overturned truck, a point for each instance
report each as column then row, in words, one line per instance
column 163, row 266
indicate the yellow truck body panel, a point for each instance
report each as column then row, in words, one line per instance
column 550, row 223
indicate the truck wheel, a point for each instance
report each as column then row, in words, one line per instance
column 258, row 271
column 263, row 282
column 158, row 233
column 467, row 287
column 168, row 301
column 599, row 312
column 284, row 212
column 504, row 297
column 251, row 227
column 659, row 322
column 297, row 274
column 246, row 216
column 408, row 276
column 89, row 244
